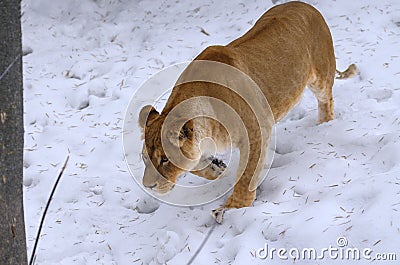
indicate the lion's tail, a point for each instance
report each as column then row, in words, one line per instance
column 350, row 72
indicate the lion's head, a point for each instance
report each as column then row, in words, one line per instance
column 160, row 172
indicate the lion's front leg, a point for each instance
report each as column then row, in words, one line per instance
column 241, row 197
column 251, row 162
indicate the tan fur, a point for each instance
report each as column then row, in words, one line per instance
column 288, row 48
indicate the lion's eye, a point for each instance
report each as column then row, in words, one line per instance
column 163, row 160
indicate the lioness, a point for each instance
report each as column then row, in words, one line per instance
column 290, row 47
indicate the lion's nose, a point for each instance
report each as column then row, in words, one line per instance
column 151, row 186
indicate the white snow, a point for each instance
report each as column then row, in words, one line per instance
column 340, row 178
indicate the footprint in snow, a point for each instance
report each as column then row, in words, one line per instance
column 84, row 104
column 380, row 94
column 147, row 206
column 97, row 190
column 168, row 246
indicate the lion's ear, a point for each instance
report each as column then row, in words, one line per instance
column 147, row 114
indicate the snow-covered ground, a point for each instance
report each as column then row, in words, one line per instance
column 339, row 179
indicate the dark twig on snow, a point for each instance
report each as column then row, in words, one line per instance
column 204, row 32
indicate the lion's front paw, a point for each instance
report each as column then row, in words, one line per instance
column 218, row 214
column 218, row 165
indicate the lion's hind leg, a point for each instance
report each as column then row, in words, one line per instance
column 322, row 89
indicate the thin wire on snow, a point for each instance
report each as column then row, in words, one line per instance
column 202, row 243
